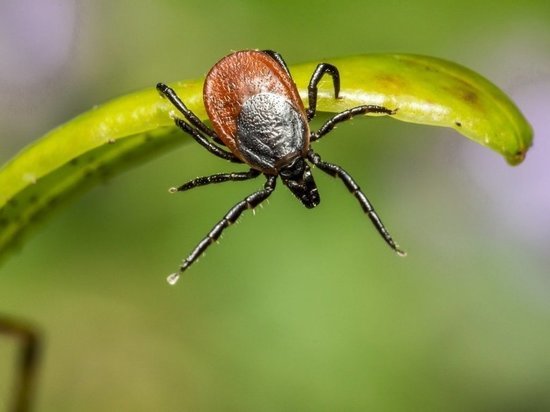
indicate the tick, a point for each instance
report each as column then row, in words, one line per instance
column 258, row 119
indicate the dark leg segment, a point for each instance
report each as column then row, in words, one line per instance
column 231, row 217
column 320, row 71
column 204, row 142
column 171, row 95
column 217, row 178
column 337, row 171
column 28, row 362
column 276, row 56
column 347, row 115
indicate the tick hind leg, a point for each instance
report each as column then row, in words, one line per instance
column 197, row 123
column 28, row 361
column 353, row 187
column 320, row 71
column 278, row 58
column 204, row 142
column 250, row 202
column 171, row 95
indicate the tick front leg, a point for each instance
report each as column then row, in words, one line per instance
column 217, row 178
column 250, row 202
column 320, row 71
column 347, row 115
column 353, row 187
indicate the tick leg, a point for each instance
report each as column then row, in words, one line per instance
column 337, row 171
column 217, row 178
column 232, row 215
column 171, row 95
column 320, row 71
column 276, row 56
column 28, row 361
column 347, row 115
column 204, row 142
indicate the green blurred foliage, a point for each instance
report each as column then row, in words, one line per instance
column 296, row 309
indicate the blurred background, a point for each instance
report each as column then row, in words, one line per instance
column 296, row 309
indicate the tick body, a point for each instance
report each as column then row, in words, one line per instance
column 258, row 119
column 256, row 111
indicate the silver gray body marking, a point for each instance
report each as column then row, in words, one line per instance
column 270, row 131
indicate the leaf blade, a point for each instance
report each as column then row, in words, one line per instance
column 128, row 130
column 431, row 91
